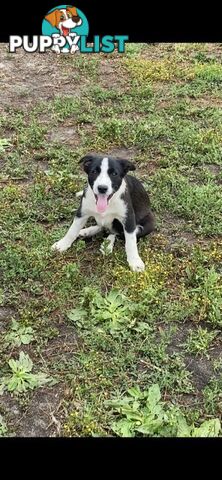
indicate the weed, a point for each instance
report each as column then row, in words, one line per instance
column 21, row 378
column 105, row 248
column 19, row 335
column 111, row 311
column 144, row 413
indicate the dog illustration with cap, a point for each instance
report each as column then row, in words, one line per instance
column 64, row 19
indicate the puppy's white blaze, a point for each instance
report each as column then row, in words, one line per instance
column 103, row 178
column 64, row 12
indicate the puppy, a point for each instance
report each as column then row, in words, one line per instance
column 118, row 202
column 64, row 19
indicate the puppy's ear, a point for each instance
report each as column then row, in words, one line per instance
column 73, row 11
column 52, row 17
column 126, row 165
column 86, row 162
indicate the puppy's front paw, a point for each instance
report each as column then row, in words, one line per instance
column 137, row 265
column 61, row 246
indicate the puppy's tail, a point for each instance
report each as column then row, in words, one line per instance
column 79, row 194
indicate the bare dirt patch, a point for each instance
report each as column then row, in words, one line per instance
column 40, row 418
column 200, row 366
column 127, row 153
column 26, row 78
column 111, row 75
column 65, row 135
column 6, row 315
column 201, row 370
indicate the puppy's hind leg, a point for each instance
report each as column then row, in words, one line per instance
column 90, row 231
column 146, row 226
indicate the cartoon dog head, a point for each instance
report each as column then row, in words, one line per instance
column 64, row 19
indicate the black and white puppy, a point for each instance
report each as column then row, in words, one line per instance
column 118, row 202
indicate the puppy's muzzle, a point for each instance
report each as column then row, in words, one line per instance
column 102, row 189
column 76, row 18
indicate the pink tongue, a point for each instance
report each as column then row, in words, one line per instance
column 101, row 203
column 65, row 31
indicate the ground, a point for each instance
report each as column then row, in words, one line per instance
column 92, row 328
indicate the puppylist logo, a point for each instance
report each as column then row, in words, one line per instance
column 64, row 30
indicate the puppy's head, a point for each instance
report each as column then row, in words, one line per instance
column 64, row 19
column 105, row 176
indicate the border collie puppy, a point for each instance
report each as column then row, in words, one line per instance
column 118, row 202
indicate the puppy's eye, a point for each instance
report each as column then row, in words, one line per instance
column 69, row 15
column 62, row 17
column 113, row 173
column 94, row 171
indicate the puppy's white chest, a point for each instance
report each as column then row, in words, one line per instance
column 104, row 220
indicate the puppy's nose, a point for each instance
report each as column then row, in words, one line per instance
column 102, row 188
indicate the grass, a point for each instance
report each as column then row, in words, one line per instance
column 199, row 341
column 81, row 327
column 199, row 204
